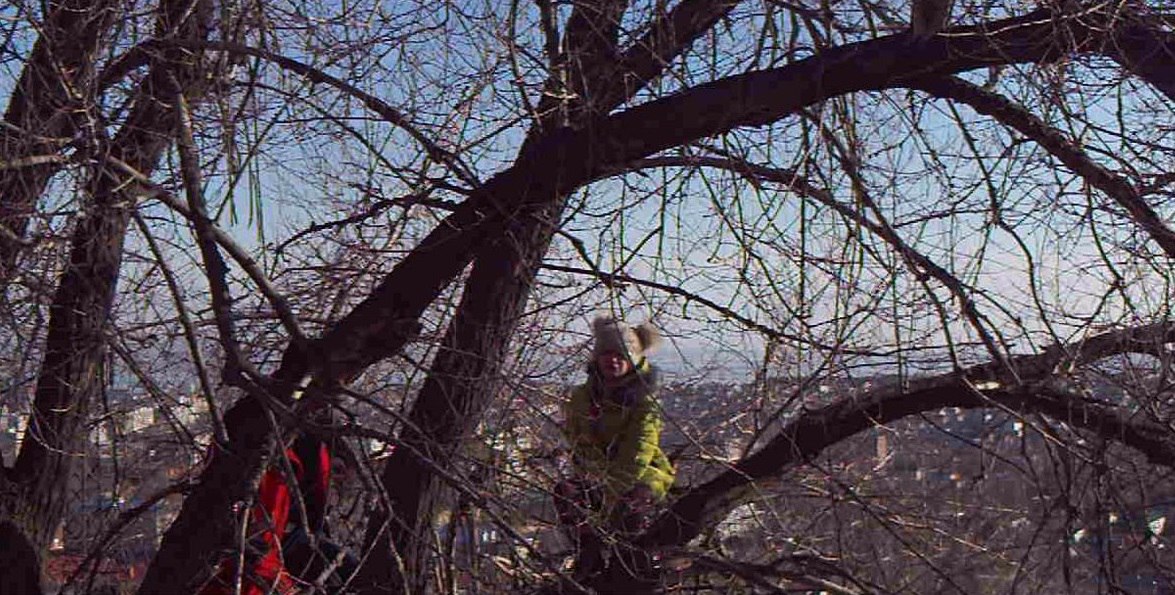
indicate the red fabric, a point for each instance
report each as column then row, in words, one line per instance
column 273, row 495
column 224, row 583
column 267, row 575
column 323, row 479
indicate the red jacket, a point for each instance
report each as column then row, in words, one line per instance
column 266, row 574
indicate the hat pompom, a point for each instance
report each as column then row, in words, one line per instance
column 649, row 336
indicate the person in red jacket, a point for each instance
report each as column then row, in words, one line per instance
column 264, row 569
column 281, row 557
column 308, row 549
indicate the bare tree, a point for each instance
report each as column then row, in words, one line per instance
column 72, row 371
column 902, row 230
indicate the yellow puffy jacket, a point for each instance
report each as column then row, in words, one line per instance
column 615, row 433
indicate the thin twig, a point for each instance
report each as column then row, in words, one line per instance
column 215, row 268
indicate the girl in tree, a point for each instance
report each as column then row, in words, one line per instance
column 613, row 423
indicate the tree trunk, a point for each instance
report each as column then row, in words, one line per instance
column 56, row 84
column 463, row 380
column 22, row 569
column 381, row 325
column 72, row 372
column 376, row 328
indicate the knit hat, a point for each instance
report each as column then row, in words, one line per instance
column 614, row 335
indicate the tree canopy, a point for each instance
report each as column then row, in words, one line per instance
column 916, row 290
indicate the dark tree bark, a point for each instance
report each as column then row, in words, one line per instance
column 54, row 90
column 72, row 372
column 462, row 382
column 465, row 376
column 557, row 161
column 17, row 555
column 1142, row 46
column 1034, row 389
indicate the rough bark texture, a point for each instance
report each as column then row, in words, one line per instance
column 55, row 88
column 72, row 373
column 187, row 554
column 462, row 382
column 555, row 162
column 465, row 375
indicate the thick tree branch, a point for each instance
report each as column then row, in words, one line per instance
column 798, row 570
column 668, row 36
column 1056, row 143
column 1143, row 47
column 590, row 53
column 564, row 160
column 745, row 100
column 604, row 78
column 54, row 87
column 462, row 382
column 1038, row 390
column 580, row 157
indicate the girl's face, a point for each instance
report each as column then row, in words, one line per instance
column 612, row 365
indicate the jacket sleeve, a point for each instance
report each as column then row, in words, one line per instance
column 637, row 445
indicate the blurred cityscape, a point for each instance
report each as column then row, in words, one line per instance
column 962, row 469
